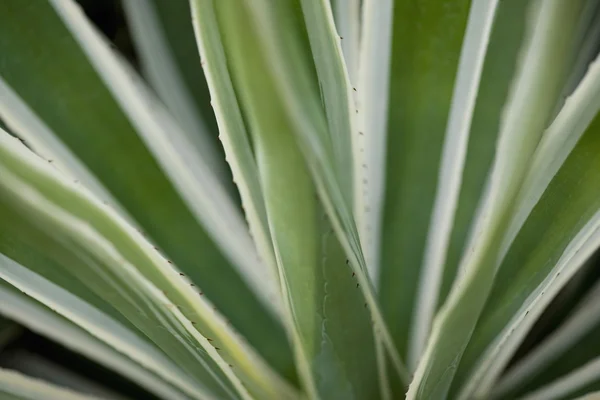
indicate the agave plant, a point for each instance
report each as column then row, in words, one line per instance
column 292, row 199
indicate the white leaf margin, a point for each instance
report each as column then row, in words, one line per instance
column 25, row 387
column 492, row 362
column 584, row 319
column 96, row 323
column 587, row 374
column 245, row 357
column 372, row 99
column 38, row 318
column 470, row 69
column 193, row 179
column 163, row 74
column 19, row 117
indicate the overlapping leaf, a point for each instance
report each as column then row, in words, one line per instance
column 42, row 320
column 326, row 309
column 152, row 271
column 15, row 386
column 426, row 42
column 89, row 121
column 520, row 132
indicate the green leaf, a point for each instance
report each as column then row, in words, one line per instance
column 335, row 92
column 503, row 323
column 566, row 348
column 89, row 312
column 470, row 68
column 40, row 138
column 43, row 321
column 147, row 262
column 591, row 395
column 322, row 134
column 176, row 21
column 498, row 71
column 15, row 386
column 89, row 121
column 577, row 382
column 38, row 367
column 426, row 42
column 233, row 131
column 327, row 311
column 94, row 267
column 184, row 166
column 164, row 48
column 347, row 21
column 530, row 105
column 372, row 103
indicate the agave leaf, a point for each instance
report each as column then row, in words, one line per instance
column 88, row 119
column 185, row 167
column 87, row 311
column 335, row 91
column 586, row 40
column 42, row 320
column 521, row 301
column 577, row 382
column 426, row 43
column 347, row 21
column 299, row 89
column 594, row 395
column 499, row 68
column 558, row 141
column 327, row 313
column 131, row 245
column 372, row 103
column 176, row 19
column 470, row 68
column 16, row 386
column 40, row 138
column 483, row 376
column 232, row 128
column 234, row 135
column 529, row 107
column 38, row 367
column 149, row 310
column 164, row 70
column 549, row 359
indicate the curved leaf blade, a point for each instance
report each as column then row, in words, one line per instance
column 90, row 122
column 16, row 386
column 141, row 255
column 326, row 310
column 426, row 42
column 519, row 134
column 40, row 319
